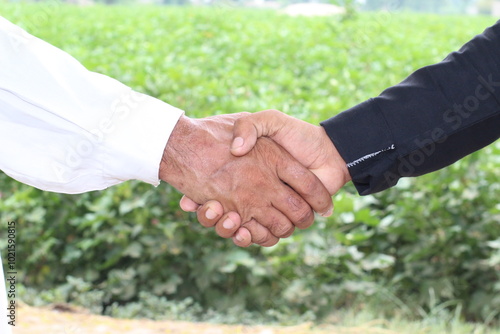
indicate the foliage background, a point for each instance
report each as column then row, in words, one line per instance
column 428, row 247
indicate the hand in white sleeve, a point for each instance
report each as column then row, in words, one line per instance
column 66, row 129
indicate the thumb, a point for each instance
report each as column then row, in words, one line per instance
column 245, row 136
column 249, row 128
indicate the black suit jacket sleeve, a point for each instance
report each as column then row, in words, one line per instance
column 436, row 116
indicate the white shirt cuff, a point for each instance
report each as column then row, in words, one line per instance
column 137, row 138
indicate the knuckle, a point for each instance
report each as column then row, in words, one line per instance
column 304, row 219
column 279, row 226
column 310, row 183
column 295, row 203
column 299, row 208
column 270, row 243
column 288, row 232
column 261, row 238
column 258, row 233
column 305, row 180
column 282, row 230
column 300, row 212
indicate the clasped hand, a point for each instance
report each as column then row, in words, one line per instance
column 259, row 190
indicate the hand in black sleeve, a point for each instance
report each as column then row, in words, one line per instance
column 436, row 116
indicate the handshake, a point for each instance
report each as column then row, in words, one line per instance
column 254, row 177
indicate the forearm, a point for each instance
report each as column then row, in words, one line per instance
column 70, row 130
column 438, row 115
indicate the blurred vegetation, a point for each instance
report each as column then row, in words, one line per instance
column 429, row 6
column 424, row 6
column 426, row 249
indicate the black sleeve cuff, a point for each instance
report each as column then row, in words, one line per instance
column 364, row 140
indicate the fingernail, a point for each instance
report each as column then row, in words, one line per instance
column 228, row 224
column 328, row 213
column 210, row 214
column 237, row 142
column 238, row 237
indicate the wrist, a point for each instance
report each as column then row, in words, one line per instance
column 336, row 173
column 171, row 166
column 340, row 164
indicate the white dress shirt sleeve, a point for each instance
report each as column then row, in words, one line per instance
column 66, row 129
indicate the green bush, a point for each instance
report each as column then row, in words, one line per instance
column 429, row 247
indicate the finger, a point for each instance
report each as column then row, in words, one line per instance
column 249, row 128
column 210, row 213
column 275, row 222
column 245, row 136
column 308, row 186
column 260, row 234
column 294, row 208
column 188, row 205
column 242, row 237
column 227, row 226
